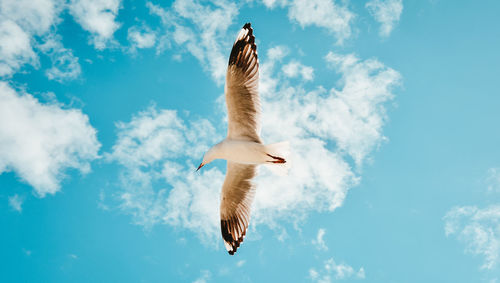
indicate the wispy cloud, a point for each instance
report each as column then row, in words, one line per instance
column 333, row 271
column 240, row 263
column 28, row 27
column 41, row 141
column 20, row 21
column 387, row 13
column 204, row 277
column 198, row 29
column 478, row 229
column 65, row 65
column 319, row 242
column 159, row 150
column 16, row 202
column 493, row 180
column 328, row 14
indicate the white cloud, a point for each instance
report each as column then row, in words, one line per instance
column 16, row 202
column 337, row 271
column 273, row 3
column 65, row 65
column 387, row 13
column 15, row 48
column 24, row 22
column 327, row 14
column 277, row 53
column 97, row 17
column 40, row 141
column 159, row 151
column 204, row 277
column 141, row 37
column 319, row 242
column 20, row 21
column 149, row 147
column 34, row 16
column 359, row 106
column 295, row 69
column 478, row 229
column 199, row 29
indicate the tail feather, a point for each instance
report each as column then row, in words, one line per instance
column 279, row 158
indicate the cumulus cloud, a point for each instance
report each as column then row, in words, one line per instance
column 65, row 66
column 97, row 17
column 478, row 229
column 333, row 271
column 387, row 13
column 41, row 141
column 159, row 150
column 141, row 37
column 198, row 28
column 328, row 14
column 296, row 69
column 16, row 202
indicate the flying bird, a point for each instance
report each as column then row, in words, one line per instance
column 242, row 148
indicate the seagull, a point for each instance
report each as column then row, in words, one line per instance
column 242, row 148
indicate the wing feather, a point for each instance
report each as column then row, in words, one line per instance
column 242, row 93
column 237, row 196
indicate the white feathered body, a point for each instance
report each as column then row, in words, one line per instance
column 244, row 152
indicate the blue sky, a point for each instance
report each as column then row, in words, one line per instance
column 391, row 108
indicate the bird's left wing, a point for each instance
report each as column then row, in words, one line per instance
column 242, row 88
column 236, row 200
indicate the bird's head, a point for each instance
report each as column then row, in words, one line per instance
column 209, row 156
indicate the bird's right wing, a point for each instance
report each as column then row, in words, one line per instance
column 237, row 196
column 242, row 93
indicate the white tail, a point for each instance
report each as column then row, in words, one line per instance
column 279, row 154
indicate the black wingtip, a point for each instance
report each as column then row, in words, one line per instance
column 228, row 238
column 242, row 40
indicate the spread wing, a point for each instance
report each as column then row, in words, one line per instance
column 237, row 196
column 242, row 83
